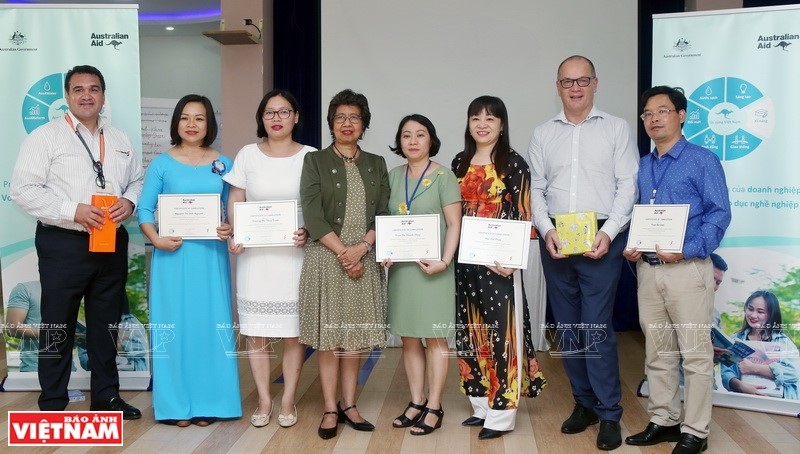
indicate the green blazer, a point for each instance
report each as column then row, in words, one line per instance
column 323, row 190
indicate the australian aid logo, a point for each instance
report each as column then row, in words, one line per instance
column 65, row 428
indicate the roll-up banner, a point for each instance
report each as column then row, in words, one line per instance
column 38, row 45
column 740, row 71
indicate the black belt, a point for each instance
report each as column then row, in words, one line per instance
column 600, row 222
column 63, row 230
column 652, row 259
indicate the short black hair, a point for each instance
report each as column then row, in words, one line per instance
column 436, row 143
column 211, row 119
column 675, row 95
column 348, row 97
column 84, row 69
column 262, row 130
column 719, row 262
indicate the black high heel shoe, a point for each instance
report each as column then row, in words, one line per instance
column 405, row 421
column 331, row 431
column 364, row 426
column 426, row 429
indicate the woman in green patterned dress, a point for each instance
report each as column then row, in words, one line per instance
column 342, row 287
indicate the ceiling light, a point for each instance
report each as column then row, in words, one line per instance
column 170, row 28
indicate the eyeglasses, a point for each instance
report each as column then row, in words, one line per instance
column 100, row 180
column 660, row 113
column 282, row 114
column 582, row 82
column 341, row 118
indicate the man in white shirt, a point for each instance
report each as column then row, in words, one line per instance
column 60, row 165
column 583, row 160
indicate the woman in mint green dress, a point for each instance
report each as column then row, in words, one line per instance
column 421, row 295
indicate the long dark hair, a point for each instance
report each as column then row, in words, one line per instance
column 502, row 149
column 774, row 320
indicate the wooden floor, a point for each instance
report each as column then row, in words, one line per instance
column 384, row 397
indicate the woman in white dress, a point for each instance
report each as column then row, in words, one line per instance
column 267, row 278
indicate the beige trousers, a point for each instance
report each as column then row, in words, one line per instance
column 676, row 301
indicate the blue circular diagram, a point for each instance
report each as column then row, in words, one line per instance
column 44, row 102
column 729, row 116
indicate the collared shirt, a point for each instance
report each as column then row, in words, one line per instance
column 691, row 174
column 589, row 166
column 54, row 173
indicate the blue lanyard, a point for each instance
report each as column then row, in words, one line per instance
column 414, row 194
column 657, row 183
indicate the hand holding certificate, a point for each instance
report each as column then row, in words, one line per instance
column 664, row 225
column 189, row 216
column 407, row 238
column 487, row 240
column 265, row 224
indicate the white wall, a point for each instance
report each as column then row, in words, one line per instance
column 179, row 65
column 434, row 57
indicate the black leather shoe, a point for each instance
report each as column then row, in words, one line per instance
column 579, row 420
column 473, row 421
column 690, row 444
column 654, row 434
column 363, row 426
column 488, row 434
column 330, row 432
column 405, row 421
column 609, row 436
column 117, row 404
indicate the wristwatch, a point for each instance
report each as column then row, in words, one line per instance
column 369, row 245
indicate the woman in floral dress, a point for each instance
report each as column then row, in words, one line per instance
column 496, row 360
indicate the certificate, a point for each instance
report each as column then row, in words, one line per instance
column 664, row 225
column 189, row 216
column 407, row 238
column 488, row 240
column 265, row 224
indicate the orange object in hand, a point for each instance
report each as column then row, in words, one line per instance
column 105, row 239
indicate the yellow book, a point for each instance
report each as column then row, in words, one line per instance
column 576, row 231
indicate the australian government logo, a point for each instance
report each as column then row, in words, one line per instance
column 682, row 48
column 113, row 40
column 781, row 42
column 17, row 41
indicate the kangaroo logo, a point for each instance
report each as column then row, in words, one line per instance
column 783, row 45
column 725, row 112
column 114, row 43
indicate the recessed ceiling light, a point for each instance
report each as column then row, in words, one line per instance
column 170, row 28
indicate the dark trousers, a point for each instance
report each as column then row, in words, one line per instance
column 68, row 273
column 581, row 293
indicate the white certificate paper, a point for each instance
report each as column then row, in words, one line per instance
column 189, row 216
column 487, row 240
column 664, row 225
column 407, row 238
column 265, row 224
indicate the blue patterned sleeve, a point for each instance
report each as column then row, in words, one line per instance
column 716, row 212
